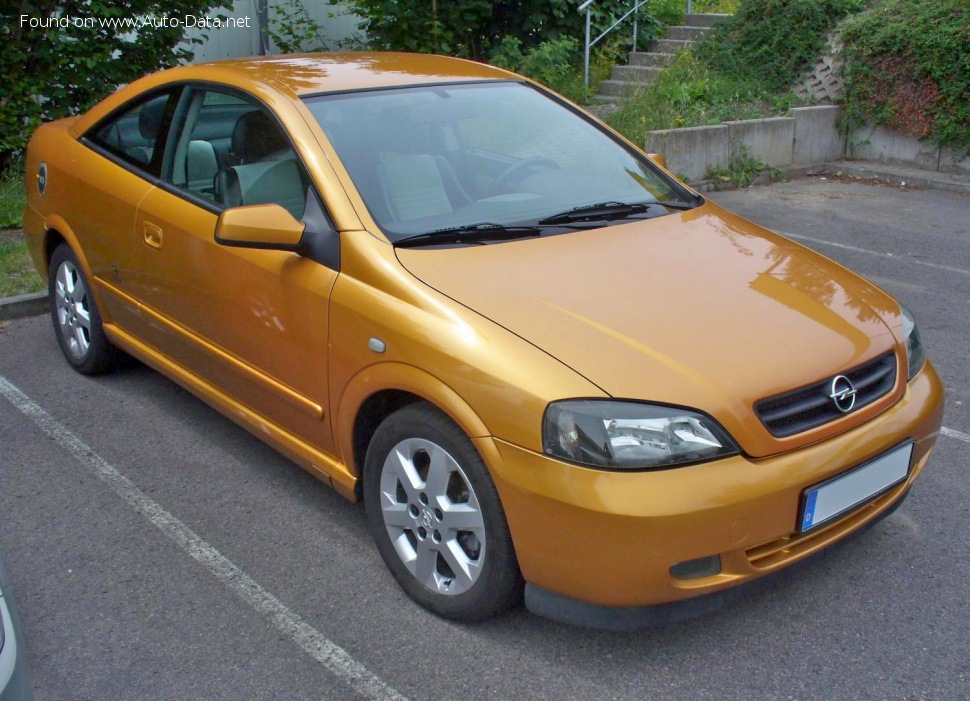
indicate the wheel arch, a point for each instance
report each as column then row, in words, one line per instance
column 52, row 239
column 377, row 391
column 58, row 231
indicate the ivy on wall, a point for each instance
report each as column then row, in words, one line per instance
column 907, row 65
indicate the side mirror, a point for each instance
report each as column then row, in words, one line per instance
column 659, row 159
column 265, row 226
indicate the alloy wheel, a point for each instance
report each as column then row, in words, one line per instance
column 432, row 516
column 73, row 309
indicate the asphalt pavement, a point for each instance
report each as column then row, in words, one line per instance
column 158, row 551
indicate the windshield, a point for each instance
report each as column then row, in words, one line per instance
column 443, row 157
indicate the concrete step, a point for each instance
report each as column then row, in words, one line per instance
column 696, row 19
column 644, row 65
column 617, row 88
column 687, row 33
column 644, row 58
column 669, row 46
column 635, row 74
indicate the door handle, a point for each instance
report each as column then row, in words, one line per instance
column 153, row 235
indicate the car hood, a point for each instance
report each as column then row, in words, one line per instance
column 699, row 308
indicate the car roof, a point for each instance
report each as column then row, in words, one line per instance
column 304, row 74
column 296, row 75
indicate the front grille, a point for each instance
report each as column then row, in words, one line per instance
column 809, row 407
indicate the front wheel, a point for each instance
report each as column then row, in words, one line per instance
column 436, row 517
column 77, row 321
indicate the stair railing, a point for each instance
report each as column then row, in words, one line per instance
column 587, row 7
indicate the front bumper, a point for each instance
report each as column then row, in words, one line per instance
column 609, row 539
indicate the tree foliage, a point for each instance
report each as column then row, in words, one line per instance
column 49, row 71
column 475, row 28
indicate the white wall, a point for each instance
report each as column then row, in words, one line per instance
column 238, row 41
column 227, row 42
column 337, row 28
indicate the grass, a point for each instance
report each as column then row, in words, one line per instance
column 690, row 94
column 17, row 273
column 743, row 173
column 720, row 7
column 13, row 200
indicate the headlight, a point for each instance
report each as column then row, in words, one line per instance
column 915, row 353
column 612, row 434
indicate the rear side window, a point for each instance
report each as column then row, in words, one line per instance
column 135, row 133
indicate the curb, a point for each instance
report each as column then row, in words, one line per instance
column 895, row 175
column 900, row 175
column 22, row 306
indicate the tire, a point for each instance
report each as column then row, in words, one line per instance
column 76, row 318
column 436, row 517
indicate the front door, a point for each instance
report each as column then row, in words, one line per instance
column 251, row 323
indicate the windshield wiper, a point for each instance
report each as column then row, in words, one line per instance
column 470, row 233
column 606, row 211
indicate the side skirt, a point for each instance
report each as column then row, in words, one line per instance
column 319, row 464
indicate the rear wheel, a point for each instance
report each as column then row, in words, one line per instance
column 77, row 321
column 436, row 517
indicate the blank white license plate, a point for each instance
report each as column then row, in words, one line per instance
column 829, row 500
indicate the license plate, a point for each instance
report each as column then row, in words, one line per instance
column 829, row 500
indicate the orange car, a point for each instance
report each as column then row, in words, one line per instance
column 543, row 362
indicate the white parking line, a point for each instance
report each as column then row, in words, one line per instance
column 881, row 254
column 337, row 660
column 959, row 435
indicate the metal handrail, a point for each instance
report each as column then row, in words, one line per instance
column 587, row 8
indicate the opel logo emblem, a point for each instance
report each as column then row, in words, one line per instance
column 842, row 394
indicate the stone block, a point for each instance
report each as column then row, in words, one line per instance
column 818, row 137
column 690, row 152
column 882, row 145
column 769, row 140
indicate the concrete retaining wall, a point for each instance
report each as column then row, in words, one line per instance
column 882, row 145
column 690, row 152
column 767, row 140
column 818, row 137
column 810, row 136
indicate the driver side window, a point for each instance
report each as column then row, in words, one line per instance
column 229, row 151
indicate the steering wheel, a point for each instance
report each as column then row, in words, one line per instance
column 519, row 168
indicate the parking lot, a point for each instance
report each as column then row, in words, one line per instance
column 159, row 551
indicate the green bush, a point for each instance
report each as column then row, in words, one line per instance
column 293, row 30
column 50, row 72
column 557, row 64
column 688, row 94
column 476, row 28
column 908, row 67
column 773, row 41
column 552, row 63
